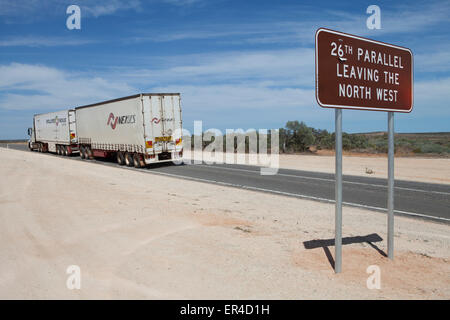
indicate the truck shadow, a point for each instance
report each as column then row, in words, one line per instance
column 162, row 165
column 112, row 161
column 325, row 243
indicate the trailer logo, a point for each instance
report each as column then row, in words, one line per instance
column 156, row 120
column 113, row 120
column 56, row 120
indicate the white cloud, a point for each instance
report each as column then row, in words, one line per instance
column 31, row 41
column 432, row 97
column 241, row 97
column 395, row 19
column 19, row 7
column 32, row 10
column 269, row 32
column 256, row 88
column 24, row 86
column 102, row 8
column 288, row 67
column 243, row 106
column 434, row 60
column 183, row 2
column 415, row 17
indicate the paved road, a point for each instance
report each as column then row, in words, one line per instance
column 423, row 200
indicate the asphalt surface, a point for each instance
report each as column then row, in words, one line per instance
column 415, row 199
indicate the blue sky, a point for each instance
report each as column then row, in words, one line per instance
column 238, row 64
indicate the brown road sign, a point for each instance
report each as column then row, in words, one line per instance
column 358, row 73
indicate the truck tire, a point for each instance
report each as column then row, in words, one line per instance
column 120, row 158
column 86, row 153
column 58, row 150
column 137, row 160
column 66, row 152
column 82, row 154
column 86, row 157
column 89, row 153
column 142, row 161
column 129, row 159
column 40, row 147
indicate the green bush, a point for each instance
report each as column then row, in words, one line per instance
column 296, row 137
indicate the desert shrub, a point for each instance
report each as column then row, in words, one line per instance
column 296, row 137
column 432, row 148
column 324, row 139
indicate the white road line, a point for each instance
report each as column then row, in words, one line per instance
column 294, row 195
column 330, row 180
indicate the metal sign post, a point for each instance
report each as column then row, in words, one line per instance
column 362, row 74
column 390, row 199
column 338, row 192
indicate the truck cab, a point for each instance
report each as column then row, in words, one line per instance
column 32, row 139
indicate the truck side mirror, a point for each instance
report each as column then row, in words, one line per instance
column 30, row 131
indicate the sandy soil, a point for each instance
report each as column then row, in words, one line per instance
column 137, row 235
column 432, row 170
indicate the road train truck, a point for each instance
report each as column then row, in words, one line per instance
column 135, row 130
column 54, row 132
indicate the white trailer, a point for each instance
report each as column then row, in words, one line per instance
column 54, row 132
column 136, row 130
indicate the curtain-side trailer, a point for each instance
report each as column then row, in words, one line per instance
column 54, row 132
column 135, row 130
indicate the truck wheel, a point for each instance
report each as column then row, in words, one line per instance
column 137, row 160
column 82, row 154
column 129, row 159
column 142, row 161
column 58, row 150
column 66, row 152
column 85, row 153
column 40, row 147
column 120, row 158
column 89, row 153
